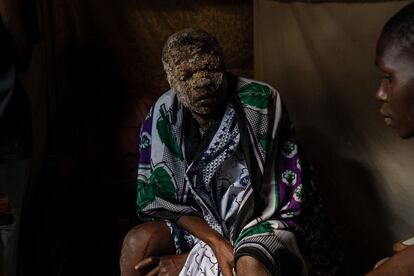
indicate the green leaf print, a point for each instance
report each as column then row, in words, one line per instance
column 160, row 184
column 264, row 142
column 145, row 194
column 166, row 135
column 255, row 95
column 163, row 184
column 261, row 228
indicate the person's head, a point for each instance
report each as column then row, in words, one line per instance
column 395, row 58
column 193, row 61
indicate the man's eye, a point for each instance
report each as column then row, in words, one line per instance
column 387, row 78
column 186, row 76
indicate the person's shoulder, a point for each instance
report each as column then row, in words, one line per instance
column 165, row 97
column 256, row 95
column 165, row 100
column 247, row 83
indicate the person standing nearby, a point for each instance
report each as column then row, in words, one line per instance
column 18, row 32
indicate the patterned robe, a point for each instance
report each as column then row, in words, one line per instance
column 251, row 183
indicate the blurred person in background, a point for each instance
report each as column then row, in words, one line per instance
column 18, row 32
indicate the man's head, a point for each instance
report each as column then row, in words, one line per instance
column 395, row 58
column 193, row 61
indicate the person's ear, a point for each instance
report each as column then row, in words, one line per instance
column 168, row 73
column 169, row 80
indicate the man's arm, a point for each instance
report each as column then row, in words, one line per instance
column 401, row 264
column 197, row 226
column 223, row 250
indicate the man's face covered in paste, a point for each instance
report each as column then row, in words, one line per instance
column 197, row 76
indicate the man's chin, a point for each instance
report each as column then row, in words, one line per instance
column 203, row 111
column 405, row 134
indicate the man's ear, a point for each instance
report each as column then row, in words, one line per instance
column 169, row 80
column 166, row 68
column 168, row 75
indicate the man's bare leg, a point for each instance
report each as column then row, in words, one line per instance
column 247, row 265
column 144, row 240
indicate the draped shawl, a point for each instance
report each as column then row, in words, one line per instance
column 281, row 194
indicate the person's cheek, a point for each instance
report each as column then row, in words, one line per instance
column 217, row 80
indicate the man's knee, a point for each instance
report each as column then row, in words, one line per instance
column 135, row 238
column 151, row 238
column 144, row 240
column 247, row 265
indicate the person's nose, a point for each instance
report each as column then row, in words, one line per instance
column 381, row 94
column 201, row 79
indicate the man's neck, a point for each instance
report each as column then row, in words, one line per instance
column 205, row 121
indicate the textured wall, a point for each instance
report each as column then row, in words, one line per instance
column 133, row 32
column 128, row 36
column 321, row 58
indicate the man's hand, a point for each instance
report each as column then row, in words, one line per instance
column 401, row 264
column 168, row 265
column 224, row 252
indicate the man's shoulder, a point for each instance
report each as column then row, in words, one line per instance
column 166, row 97
column 255, row 94
column 163, row 102
column 243, row 82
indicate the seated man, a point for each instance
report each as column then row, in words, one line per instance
column 395, row 58
column 222, row 177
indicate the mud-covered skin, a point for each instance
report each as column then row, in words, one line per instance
column 194, row 66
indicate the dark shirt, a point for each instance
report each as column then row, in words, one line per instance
column 195, row 143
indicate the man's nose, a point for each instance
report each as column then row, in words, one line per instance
column 381, row 94
column 201, row 79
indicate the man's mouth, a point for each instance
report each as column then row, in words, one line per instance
column 388, row 121
column 207, row 101
column 387, row 118
column 206, row 96
column 384, row 113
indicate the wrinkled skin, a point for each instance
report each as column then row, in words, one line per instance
column 396, row 90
